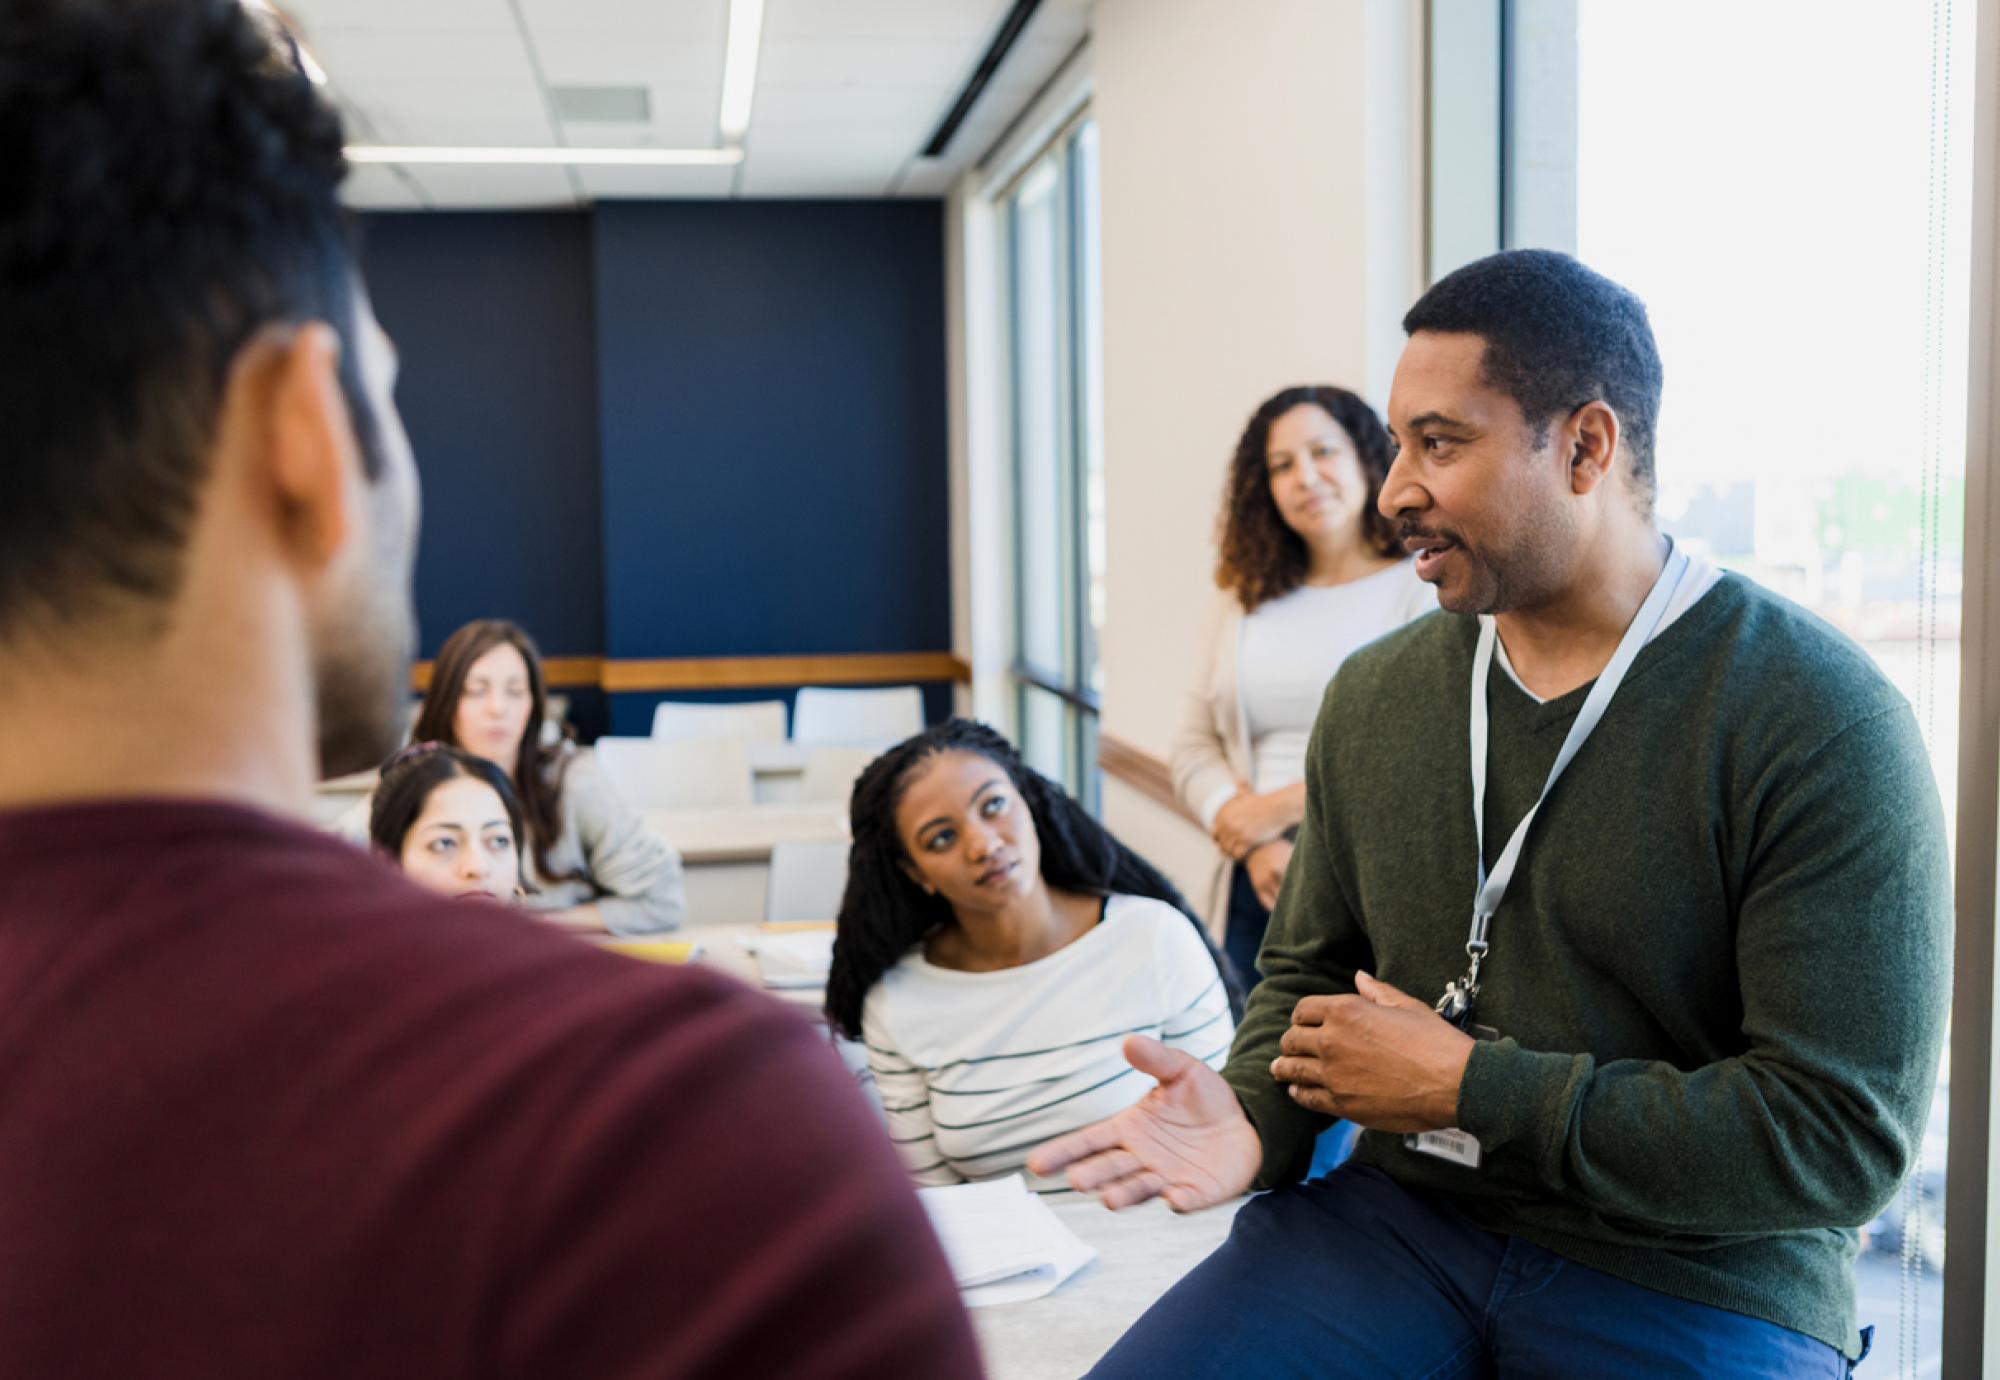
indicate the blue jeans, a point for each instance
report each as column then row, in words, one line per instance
column 1243, row 937
column 1352, row 1275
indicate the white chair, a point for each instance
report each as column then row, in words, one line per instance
column 758, row 721
column 831, row 773
column 874, row 718
column 807, row 879
column 651, row 775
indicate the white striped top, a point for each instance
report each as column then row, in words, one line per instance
column 977, row 1069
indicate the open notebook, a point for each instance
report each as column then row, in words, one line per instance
column 1004, row 1244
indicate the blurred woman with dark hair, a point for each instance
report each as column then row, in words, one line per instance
column 450, row 821
column 593, row 864
column 995, row 945
column 1309, row 571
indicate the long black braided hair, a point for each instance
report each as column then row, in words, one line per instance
column 884, row 914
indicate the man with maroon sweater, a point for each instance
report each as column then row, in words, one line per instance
column 266, row 1110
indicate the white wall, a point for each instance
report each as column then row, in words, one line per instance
column 1261, row 204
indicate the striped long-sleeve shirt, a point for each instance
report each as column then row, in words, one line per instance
column 977, row 1069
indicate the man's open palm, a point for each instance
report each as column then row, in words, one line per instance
column 1186, row 1141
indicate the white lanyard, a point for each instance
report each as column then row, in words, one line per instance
column 1457, row 1000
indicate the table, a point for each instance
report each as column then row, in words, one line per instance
column 778, row 770
column 722, row 949
column 745, row 833
column 726, row 853
column 1141, row 1253
column 333, row 799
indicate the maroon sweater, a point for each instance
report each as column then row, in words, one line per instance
column 267, row 1110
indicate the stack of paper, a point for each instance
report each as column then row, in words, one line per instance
column 1004, row 1244
column 793, row 958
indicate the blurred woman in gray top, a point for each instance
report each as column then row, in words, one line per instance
column 591, row 863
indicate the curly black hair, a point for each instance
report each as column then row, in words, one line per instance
column 1558, row 335
column 1259, row 557
column 884, row 914
column 168, row 187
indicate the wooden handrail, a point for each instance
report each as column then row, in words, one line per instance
column 633, row 675
column 1141, row 770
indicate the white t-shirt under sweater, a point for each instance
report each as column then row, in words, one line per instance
column 1701, row 577
column 1293, row 644
column 977, row 1069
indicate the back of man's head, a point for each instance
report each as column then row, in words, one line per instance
column 1558, row 335
column 167, row 189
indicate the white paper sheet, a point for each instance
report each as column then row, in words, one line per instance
column 1004, row 1244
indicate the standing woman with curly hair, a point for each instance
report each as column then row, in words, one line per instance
column 1309, row 571
column 997, row 948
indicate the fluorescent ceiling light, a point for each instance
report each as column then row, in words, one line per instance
column 739, row 68
column 559, row 157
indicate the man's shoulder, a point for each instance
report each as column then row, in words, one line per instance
column 1782, row 660
column 269, row 917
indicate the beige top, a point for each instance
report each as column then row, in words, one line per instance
column 1213, row 750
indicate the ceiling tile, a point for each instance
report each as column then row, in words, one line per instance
column 497, row 188
column 629, row 58
column 652, row 183
column 910, row 109
column 699, row 21
column 316, row 17
column 372, row 187
column 861, row 62
column 960, row 21
column 473, row 118
column 357, row 60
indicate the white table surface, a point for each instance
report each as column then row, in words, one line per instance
column 1141, row 1253
column 745, row 833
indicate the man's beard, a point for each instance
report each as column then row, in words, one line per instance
column 1527, row 571
column 361, row 678
column 363, row 647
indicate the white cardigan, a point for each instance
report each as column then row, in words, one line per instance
column 1212, row 751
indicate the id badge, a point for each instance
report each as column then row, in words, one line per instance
column 1451, row 1144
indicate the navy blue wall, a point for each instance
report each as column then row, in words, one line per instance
column 683, row 429
column 492, row 317
column 773, row 429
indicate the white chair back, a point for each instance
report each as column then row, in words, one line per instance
column 831, row 772
column 808, row 877
column 758, row 721
column 651, row 775
column 871, row 718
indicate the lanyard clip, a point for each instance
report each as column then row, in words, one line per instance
column 1456, row 1003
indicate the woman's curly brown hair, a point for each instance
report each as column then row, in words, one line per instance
column 1261, row 558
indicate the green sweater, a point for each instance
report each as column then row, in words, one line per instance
column 1720, row 973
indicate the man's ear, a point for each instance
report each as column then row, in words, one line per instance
column 304, row 444
column 1590, row 438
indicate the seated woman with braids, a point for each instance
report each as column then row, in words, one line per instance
column 995, row 947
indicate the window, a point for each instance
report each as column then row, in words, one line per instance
column 1790, row 196
column 1050, row 220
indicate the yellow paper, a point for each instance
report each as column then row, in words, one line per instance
column 657, row 950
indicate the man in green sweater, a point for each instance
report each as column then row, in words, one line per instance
column 1665, row 855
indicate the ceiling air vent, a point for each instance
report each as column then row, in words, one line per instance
column 603, row 105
